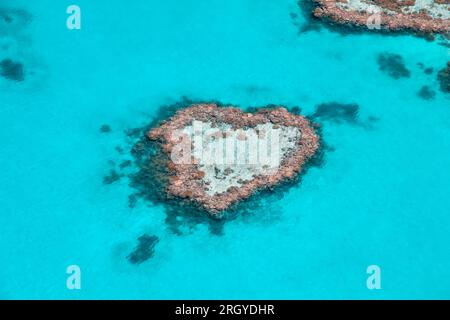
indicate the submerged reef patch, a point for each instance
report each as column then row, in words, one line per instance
column 444, row 78
column 124, row 164
column 144, row 250
column 18, row 63
column 426, row 70
column 426, row 93
column 13, row 20
column 340, row 113
column 337, row 112
column 105, row 128
column 12, row 70
column 393, row 65
column 112, row 177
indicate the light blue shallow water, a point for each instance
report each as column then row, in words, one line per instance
column 380, row 198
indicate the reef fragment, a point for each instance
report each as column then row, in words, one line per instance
column 426, row 93
column 393, row 65
column 144, row 250
column 425, row 16
column 444, row 78
column 337, row 112
column 105, row 128
column 12, row 70
column 217, row 156
column 112, row 177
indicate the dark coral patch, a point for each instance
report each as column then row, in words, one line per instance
column 6, row 17
column 337, row 112
column 12, row 70
column 132, row 200
column 112, row 177
column 426, row 93
column 12, row 19
column 444, row 78
column 124, row 164
column 428, row 70
column 119, row 149
column 340, row 113
column 393, row 65
column 295, row 110
column 105, row 128
column 144, row 250
column 445, row 43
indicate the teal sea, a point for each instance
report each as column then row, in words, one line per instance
column 379, row 197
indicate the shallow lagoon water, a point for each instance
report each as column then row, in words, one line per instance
column 381, row 197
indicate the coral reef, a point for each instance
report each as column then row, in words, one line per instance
column 112, row 177
column 12, row 70
column 191, row 142
column 426, row 93
column 144, row 250
column 444, row 78
column 342, row 113
column 426, row 16
column 393, row 65
column 18, row 63
column 105, row 128
column 337, row 112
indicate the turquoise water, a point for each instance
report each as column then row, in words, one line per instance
column 380, row 197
